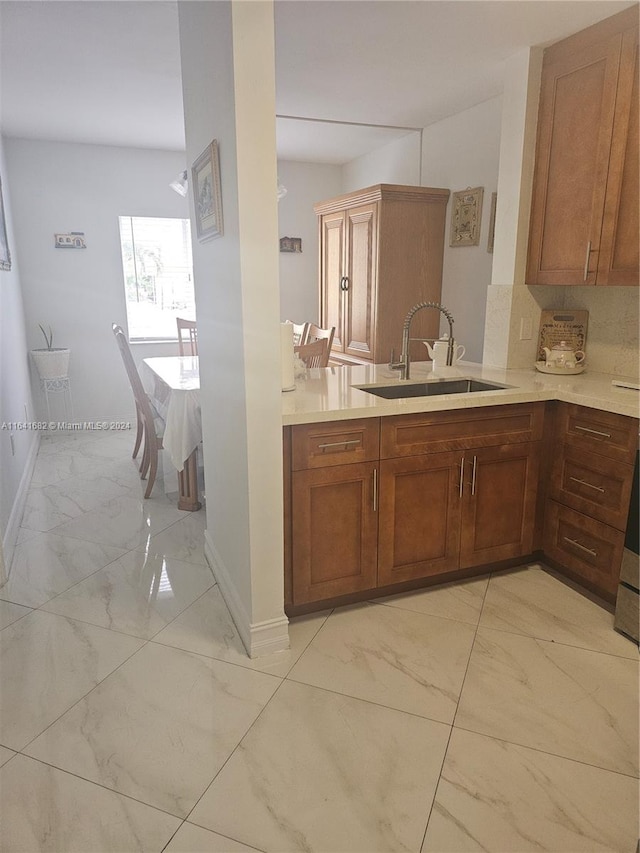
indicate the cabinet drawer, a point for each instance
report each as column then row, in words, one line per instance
column 606, row 433
column 592, row 484
column 462, row 429
column 586, row 547
column 335, row 443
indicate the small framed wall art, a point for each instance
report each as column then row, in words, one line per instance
column 205, row 176
column 291, row 244
column 466, row 215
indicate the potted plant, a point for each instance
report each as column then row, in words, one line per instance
column 51, row 362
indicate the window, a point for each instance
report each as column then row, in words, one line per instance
column 158, row 275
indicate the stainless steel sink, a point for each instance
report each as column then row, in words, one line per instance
column 431, row 389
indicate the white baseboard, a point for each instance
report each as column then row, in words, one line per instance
column 17, row 510
column 259, row 638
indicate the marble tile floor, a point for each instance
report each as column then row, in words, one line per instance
column 498, row 714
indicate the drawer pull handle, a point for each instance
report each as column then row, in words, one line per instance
column 586, row 262
column 344, row 444
column 584, row 483
column 594, row 432
column 582, row 547
column 375, row 490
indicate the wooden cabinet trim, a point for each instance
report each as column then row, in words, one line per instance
column 379, row 192
column 624, row 20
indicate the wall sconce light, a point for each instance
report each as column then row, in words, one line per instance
column 179, row 184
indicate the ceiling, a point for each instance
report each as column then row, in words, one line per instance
column 351, row 75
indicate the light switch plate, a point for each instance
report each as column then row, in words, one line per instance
column 526, row 328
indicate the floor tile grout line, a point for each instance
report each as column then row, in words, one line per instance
column 561, row 643
column 109, row 628
column 91, row 690
column 93, row 782
column 547, row 752
column 232, row 753
column 367, row 701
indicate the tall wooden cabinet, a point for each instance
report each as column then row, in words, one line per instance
column 584, row 216
column 381, row 252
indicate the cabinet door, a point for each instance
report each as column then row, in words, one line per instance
column 332, row 236
column 619, row 260
column 499, row 502
column 419, row 523
column 575, row 124
column 334, row 526
column 359, row 322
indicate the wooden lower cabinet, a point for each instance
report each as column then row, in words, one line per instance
column 453, row 493
column 499, row 503
column 334, row 531
column 431, row 522
column 419, row 524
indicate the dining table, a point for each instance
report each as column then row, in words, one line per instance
column 173, row 386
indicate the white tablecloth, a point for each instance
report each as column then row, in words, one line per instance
column 173, row 384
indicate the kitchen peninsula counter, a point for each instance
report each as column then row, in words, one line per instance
column 329, row 394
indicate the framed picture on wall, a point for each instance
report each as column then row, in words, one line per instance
column 5, row 257
column 205, row 176
column 466, row 214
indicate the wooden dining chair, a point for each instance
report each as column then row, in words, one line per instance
column 315, row 354
column 300, row 332
column 316, row 333
column 187, row 336
column 150, row 426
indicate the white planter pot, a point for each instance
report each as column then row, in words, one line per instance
column 51, row 363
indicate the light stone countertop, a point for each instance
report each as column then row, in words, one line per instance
column 329, row 394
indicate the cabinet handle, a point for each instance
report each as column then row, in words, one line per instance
column 461, row 487
column 375, row 490
column 473, row 475
column 339, row 443
column 594, row 432
column 586, row 262
column 584, row 483
column 582, row 547
column 344, row 283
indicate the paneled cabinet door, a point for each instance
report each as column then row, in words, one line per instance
column 332, row 237
column 619, row 258
column 584, row 213
column 360, row 270
column 498, row 503
column 334, row 531
column 419, row 523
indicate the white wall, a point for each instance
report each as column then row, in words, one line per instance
column 228, row 74
column 395, row 163
column 459, row 152
column 307, row 184
column 59, row 187
column 15, row 390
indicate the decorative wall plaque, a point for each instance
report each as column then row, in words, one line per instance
column 466, row 215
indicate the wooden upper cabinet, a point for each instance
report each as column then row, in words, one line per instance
column 381, row 252
column 584, row 216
